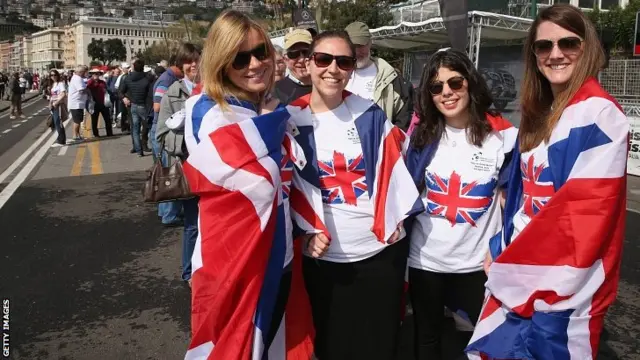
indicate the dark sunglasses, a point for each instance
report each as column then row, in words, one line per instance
column 53, row 75
column 568, row 45
column 243, row 58
column 346, row 63
column 295, row 54
column 455, row 83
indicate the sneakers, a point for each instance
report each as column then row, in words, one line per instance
column 57, row 145
column 12, row 117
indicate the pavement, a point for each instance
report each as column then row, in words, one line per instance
column 91, row 274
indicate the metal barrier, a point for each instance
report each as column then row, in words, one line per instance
column 622, row 79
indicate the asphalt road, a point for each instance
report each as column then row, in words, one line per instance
column 13, row 131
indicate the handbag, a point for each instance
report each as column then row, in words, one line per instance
column 165, row 184
column 49, row 121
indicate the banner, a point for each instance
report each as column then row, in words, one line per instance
column 633, row 162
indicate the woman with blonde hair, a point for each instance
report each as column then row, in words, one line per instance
column 240, row 162
column 556, row 262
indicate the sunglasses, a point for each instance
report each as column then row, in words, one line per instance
column 53, row 75
column 568, row 45
column 243, row 58
column 455, row 83
column 295, row 54
column 322, row 60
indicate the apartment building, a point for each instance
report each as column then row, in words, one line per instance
column 48, row 49
column 5, row 55
column 136, row 35
column 70, row 49
column 43, row 23
column 26, row 52
column 14, row 61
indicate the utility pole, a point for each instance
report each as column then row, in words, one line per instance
column 534, row 9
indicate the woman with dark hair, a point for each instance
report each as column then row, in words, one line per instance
column 354, row 270
column 57, row 105
column 458, row 152
column 556, row 262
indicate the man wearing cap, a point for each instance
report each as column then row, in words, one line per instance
column 122, row 110
column 376, row 80
column 298, row 82
column 98, row 89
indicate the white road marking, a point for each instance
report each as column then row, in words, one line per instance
column 11, row 188
column 16, row 125
column 35, row 100
column 633, row 210
column 6, row 131
column 24, row 121
column 63, row 150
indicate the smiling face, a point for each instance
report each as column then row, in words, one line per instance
column 190, row 70
column 256, row 76
column 557, row 66
column 330, row 81
column 452, row 104
column 281, row 67
column 297, row 65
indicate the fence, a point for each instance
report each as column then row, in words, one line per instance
column 622, row 80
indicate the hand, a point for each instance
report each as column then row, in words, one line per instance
column 396, row 234
column 269, row 105
column 317, row 245
column 487, row 262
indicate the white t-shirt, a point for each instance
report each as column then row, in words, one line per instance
column 537, row 183
column 348, row 211
column 77, row 94
column 462, row 207
column 363, row 81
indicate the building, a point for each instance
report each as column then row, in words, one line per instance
column 5, row 55
column 588, row 4
column 26, row 52
column 70, row 49
column 211, row 4
column 43, row 23
column 47, row 49
column 243, row 6
column 137, row 35
column 14, row 61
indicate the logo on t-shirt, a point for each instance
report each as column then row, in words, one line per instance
column 482, row 163
column 537, row 186
column 457, row 201
column 352, row 135
column 342, row 180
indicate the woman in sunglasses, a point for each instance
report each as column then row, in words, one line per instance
column 354, row 271
column 556, row 262
column 458, row 152
column 234, row 135
column 57, row 106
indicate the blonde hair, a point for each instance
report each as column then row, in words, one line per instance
column 221, row 46
column 540, row 110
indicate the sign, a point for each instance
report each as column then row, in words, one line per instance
column 633, row 162
column 304, row 19
column 636, row 38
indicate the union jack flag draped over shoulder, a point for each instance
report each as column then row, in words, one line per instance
column 387, row 179
column 549, row 289
column 236, row 164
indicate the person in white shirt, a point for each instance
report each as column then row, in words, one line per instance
column 78, row 99
column 355, row 281
column 466, row 150
column 56, row 105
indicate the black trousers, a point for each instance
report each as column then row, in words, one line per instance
column 430, row 292
column 100, row 109
column 357, row 306
column 281, row 305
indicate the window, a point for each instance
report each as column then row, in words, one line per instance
column 131, row 41
column 562, row 2
column 608, row 4
column 587, row 4
column 139, row 42
column 93, row 30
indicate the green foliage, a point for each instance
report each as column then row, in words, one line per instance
column 620, row 23
column 107, row 51
column 155, row 53
column 338, row 14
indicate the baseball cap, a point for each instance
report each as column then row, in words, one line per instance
column 125, row 65
column 359, row 33
column 297, row 36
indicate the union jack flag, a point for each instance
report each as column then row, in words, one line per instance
column 457, row 201
column 552, row 282
column 537, row 185
column 342, row 179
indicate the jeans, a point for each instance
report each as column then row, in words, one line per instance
column 138, row 120
column 156, row 147
column 189, row 236
column 57, row 125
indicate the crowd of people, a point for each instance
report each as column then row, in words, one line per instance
column 14, row 86
column 316, row 196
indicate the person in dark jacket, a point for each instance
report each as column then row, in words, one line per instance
column 298, row 82
column 135, row 95
column 16, row 96
column 3, row 85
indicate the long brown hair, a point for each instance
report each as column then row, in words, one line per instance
column 221, row 46
column 540, row 110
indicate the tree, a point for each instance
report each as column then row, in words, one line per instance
column 338, row 14
column 114, row 51
column 619, row 23
column 96, row 50
column 157, row 52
